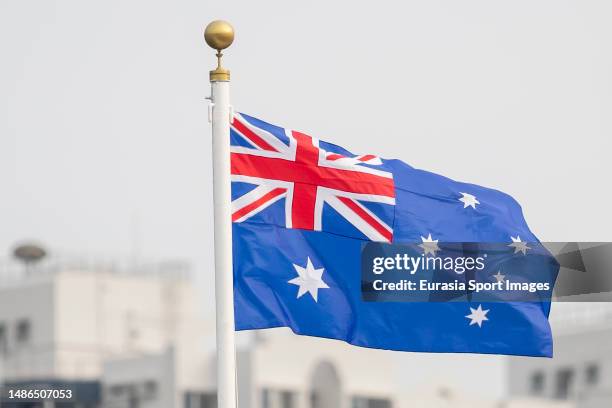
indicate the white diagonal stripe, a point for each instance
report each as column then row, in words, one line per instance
column 253, row 196
column 267, row 136
column 356, row 220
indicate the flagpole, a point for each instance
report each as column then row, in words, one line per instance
column 219, row 35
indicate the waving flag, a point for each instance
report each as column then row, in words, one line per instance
column 302, row 210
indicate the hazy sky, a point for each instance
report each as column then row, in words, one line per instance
column 105, row 145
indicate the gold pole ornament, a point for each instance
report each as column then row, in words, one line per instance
column 219, row 35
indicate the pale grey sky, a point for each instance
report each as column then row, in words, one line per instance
column 104, row 139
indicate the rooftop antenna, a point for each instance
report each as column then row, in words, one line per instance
column 29, row 254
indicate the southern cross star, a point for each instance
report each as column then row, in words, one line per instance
column 518, row 245
column 429, row 245
column 469, row 200
column 477, row 316
column 499, row 276
column 309, row 280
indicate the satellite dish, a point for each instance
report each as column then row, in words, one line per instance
column 29, row 253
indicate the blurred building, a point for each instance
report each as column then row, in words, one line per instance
column 581, row 371
column 282, row 372
column 61, row 320
column 135, row 337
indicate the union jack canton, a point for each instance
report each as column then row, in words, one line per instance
column 287, row 178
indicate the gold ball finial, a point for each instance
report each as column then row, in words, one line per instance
column 219, row 34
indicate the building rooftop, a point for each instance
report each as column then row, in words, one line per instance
column 15, row 273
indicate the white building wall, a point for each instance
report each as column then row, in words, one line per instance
column 125, row 381
column 284, row 361
column 574, row 352
column 77, row 338
column 245, row 377
column 101, row 316
column 576, row 348
column 195, row 371
column 175, row 372
column 36, row 356
column 79, row 319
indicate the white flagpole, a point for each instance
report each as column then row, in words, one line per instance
column 220, row 35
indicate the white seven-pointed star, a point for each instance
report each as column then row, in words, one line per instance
column 477, row 316
column 469, row 200
column 309, row 280
column 499, row 276
column 518, row 245
column 429, row 245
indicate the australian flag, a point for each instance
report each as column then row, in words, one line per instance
column 302, row 210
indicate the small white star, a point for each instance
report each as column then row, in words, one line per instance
column 429, row 245
column 518, row 245
column 477, row 316
column 469, row 200
column 499, row 276
column 309, row 280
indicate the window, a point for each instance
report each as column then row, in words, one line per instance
column 271, row 398
column 565, row 378
column 365, row 402
column 116, row 390
column 23, row 331
column 287, row 399
column 209, row 400
column 200, row 400
column 265, row 398
column 314, row 400
column 3, row 339
column 536, row 384
column 149, row 389
column 133, row 399
column 592, row 374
